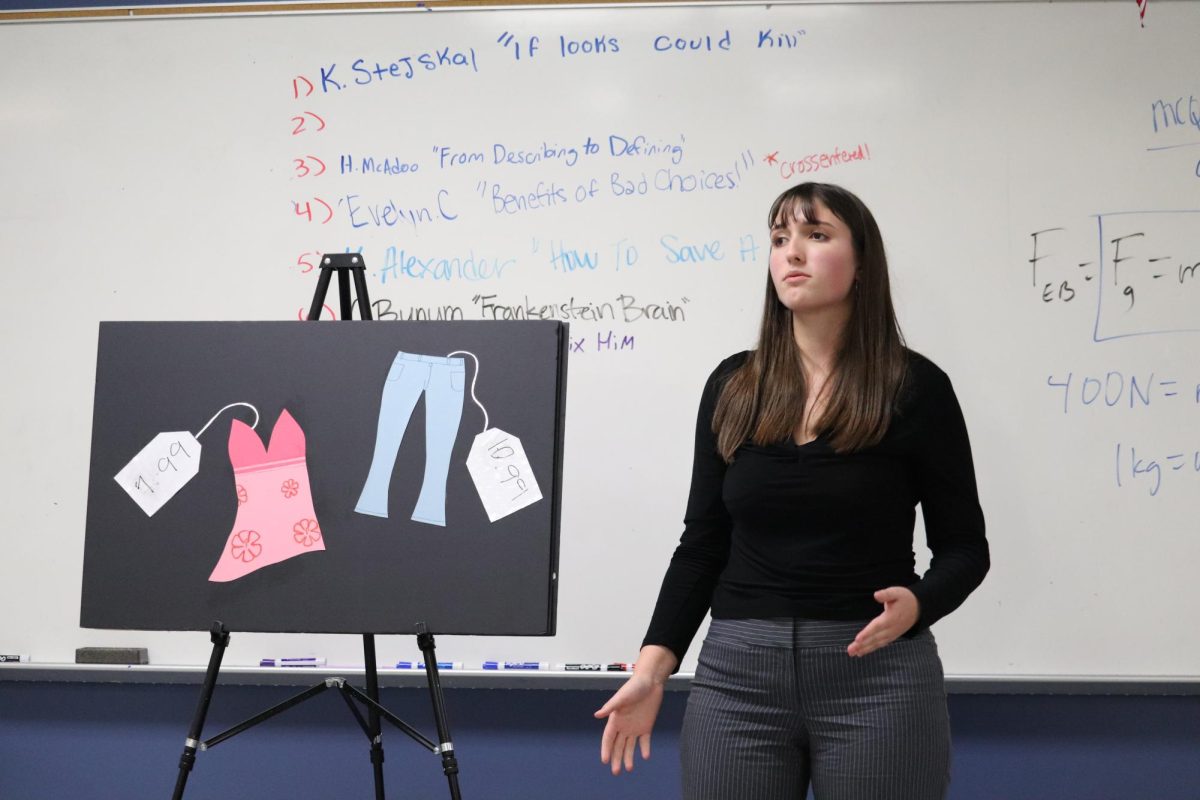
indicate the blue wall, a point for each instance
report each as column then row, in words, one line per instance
column 71, row 740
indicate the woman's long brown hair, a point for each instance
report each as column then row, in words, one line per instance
column 763, row 401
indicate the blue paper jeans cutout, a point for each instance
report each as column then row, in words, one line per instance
column 441, row 379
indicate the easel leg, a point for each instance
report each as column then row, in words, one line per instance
column 449, row 761
column 344, row 294
column 220, row 640
column 314, row 312
column 360, row 288
column 374, row 730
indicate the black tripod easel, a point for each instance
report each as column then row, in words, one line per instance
column 342, row 263
column 371, row 724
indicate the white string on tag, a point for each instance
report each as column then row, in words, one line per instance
column 498, row 464
column 165, row 464
column 473, row 379
column 226, row 408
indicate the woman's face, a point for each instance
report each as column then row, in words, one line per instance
column 813, row 264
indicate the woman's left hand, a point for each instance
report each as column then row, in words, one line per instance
column 900, row 612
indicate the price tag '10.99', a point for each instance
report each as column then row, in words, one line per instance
column 501, row 472
column 160, row 470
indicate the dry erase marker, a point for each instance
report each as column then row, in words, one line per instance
column 421, row 665
column 298, row 661
column 582, row 667
column 519, row 665
column 13, row 659
column 620, row 666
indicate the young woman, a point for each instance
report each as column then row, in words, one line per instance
column 812, row 453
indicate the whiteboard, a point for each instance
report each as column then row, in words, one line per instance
column 613, row 167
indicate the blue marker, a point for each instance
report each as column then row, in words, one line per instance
column 14, row 659
column 421, row 665
column 299, row 661
column 520, row 665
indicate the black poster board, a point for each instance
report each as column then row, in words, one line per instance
column 376, row 574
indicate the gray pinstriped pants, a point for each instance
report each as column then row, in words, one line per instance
column 777, row 704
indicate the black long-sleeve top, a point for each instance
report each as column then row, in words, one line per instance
column 789, row 530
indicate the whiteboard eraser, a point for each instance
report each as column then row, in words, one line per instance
column 111, row 655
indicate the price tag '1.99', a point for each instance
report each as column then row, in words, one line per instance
column 160, row 470
column 501, row 472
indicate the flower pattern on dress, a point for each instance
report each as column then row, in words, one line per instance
column 306, row 532
column 246, row 545
column 241, row 494
column 290, row 488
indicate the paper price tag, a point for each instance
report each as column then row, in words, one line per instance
column 160, row 470
column 501, row 472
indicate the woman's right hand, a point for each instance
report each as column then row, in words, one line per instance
column 632, row 710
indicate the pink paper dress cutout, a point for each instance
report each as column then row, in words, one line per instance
column 275, row 517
